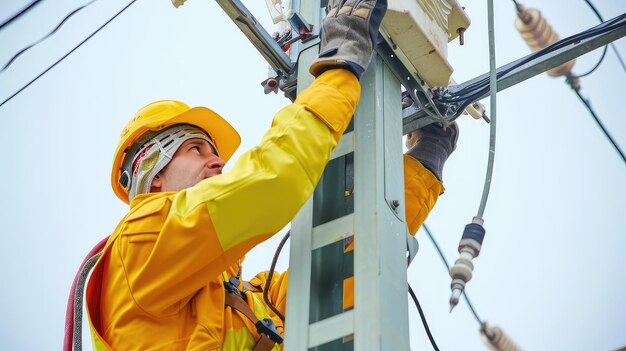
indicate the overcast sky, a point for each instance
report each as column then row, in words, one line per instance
column 551, row 269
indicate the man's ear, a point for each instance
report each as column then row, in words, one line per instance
column 155, row 187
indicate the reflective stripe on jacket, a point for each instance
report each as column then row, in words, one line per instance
column 158, row 285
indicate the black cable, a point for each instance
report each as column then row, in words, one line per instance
column 20, row 13
column 66, row 55
column 419, row 309
column 474, row 90
column 597, row 13
column 445, row 262
column 574, row 87
column 619, row 57
column 28, row 47
column 597, row 64
column 271, row 274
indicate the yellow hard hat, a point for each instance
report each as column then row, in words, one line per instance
column 161, row 114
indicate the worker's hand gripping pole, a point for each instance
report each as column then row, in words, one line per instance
column 469, row 248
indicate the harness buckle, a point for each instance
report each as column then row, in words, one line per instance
column 231, row 286
column 266, row 326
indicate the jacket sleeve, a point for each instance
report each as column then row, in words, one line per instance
column 213, row 224
column 421, row 190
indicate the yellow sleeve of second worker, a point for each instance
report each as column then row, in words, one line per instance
column 421, row 191
column 213, row 224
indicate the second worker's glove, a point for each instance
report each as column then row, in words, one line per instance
column 432, row 145
column 349, row 33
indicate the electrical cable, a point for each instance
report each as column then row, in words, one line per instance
column 28, row 47
column 593, row 69
column 445, row 263
column 474, row 90
column 595, row 117
column 493, row 86
column 271, row 274
column 421, row 312
column 619, row 57
column 67, row 54
column 20, row 13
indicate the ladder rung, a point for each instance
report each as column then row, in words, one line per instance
column 331, row 328
column 345, row 146
column 330, row 232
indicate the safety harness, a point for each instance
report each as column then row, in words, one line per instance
column 236, row 299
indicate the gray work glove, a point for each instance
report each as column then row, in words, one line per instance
column 348, row 36
column 432, row 145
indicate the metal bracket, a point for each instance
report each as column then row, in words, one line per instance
column 430, row 105
column 258, row 36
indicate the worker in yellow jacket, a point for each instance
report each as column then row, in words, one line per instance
column 160, row 282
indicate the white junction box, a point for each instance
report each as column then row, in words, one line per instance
column 419, row 32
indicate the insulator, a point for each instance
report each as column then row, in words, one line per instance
column 496, row 339
column 538, row 34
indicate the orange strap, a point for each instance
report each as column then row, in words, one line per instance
column 237, row 303
column 264, row 343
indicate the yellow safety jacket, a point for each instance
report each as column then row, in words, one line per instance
column 159, row 282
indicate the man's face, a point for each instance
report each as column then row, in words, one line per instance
column 194, row 161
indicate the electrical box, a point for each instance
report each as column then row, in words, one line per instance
column 419, row 32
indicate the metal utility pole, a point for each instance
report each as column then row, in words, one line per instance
column 360, row 198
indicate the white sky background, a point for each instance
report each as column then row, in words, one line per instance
column 551, row 269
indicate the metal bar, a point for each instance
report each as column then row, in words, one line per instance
column 331, row 328
column 299, row 289
column 258, row 36
column 300, row 258
column 380, row 282
column 335, row 230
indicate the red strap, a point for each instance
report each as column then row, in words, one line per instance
column 69, row 312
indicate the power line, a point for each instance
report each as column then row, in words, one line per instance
column 619, row 57
column 572, row 81
column 20, row 13
column 19, row 53
column 67, row 54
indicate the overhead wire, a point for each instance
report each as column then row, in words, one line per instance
column 20, row 13
column 572, row 81
column 474, row 90
column 28, row 47
column 67, row 54
column 619, row 57
column 576, row 89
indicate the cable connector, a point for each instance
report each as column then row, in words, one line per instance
column 469, row 248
